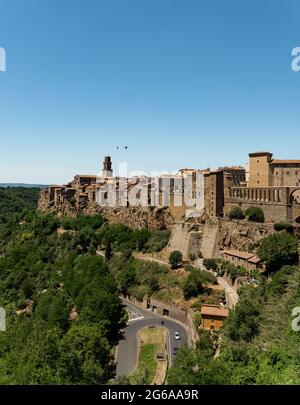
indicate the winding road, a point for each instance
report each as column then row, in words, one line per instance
column 127, row 353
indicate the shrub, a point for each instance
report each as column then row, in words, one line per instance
column 236, row 213
column 280, row 279
column 210, row 264
column 284, row 226
column 255, row 214
column 175, row 258
column 157, row 241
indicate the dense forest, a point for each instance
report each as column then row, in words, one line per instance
column 259, row 343
column 60, row 281
column 63, row 313
column 14, row 200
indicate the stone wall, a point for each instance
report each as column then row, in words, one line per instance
column 186, row 238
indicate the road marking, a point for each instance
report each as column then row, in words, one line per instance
column 135, row 319
column 170, row 349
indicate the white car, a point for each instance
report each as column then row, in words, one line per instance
column 177, row 336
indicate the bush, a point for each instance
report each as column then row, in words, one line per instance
column 210, row 264
column 175, row 258
column 284, row 226
column 157, row 241
column 280, row 279
column 255, row 214
column 236, row 213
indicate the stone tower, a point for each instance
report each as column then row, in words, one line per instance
column 259, row 169
column 107, row 167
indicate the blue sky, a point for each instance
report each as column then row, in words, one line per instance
column 182, row 83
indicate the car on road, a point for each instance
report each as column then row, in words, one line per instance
column 177, row 335
column 175, row 350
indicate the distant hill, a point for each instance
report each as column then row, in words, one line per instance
column 23, row 185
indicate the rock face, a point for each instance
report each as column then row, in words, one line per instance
column 216, row 235
column 242, row 234
column 134, row 217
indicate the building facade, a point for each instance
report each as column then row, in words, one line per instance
column 213, row 316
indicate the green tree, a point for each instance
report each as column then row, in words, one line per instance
column 175, row 258
column 127, row 279
column 85, row 356
column 210, row 264
column 278, row 250
column 193, row 285
column 243, row 321
column 108, row 250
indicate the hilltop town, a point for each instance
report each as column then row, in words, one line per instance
column 268, row 184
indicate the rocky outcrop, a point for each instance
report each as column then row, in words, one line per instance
column 242, row 234
column 134, row 217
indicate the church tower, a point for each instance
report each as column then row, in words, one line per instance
column 107, row 167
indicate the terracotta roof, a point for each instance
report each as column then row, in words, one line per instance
column 250, row 257
column 239, row 254
column 282, row 162
column 214, row 310
column 255, row 259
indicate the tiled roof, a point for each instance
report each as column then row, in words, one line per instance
column 239, row 254
column 214, row 310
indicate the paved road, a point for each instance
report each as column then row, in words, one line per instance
column 140, row 318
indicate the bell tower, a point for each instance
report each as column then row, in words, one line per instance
column 107, row 167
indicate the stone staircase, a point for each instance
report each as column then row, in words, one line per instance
column 209, row 246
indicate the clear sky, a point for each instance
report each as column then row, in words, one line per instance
column 182, row 83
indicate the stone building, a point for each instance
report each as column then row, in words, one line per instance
column 249, row 261
column 216, row 186
column 273, row 185
column 86, row 193
column 213, row 317
column 264, row 171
